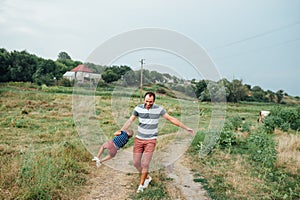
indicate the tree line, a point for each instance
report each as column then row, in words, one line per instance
column 21, row 66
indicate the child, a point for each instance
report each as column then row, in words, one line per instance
column 120, row 139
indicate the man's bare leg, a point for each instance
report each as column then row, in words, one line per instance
column 144, row 175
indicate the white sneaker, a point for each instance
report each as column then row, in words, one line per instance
column 140, row 189
column 147, row 181
column 98, row 163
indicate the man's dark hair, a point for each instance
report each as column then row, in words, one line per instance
column 151, row 94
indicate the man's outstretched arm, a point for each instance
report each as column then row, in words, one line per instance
column 176, row 122
column 128, row 122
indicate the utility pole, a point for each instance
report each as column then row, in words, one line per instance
column 141, row 85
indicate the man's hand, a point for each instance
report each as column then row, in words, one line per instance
column 191, row 131
column 117, row 133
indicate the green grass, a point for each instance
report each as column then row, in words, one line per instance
column 247, row 168
column 42, row 156
column 156, row 190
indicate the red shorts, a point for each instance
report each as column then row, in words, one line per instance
column 143, row 151
column 110, row 146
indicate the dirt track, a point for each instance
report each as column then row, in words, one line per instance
column 110, row 184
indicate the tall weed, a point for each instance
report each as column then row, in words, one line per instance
column 45, row 174
column 262, row 149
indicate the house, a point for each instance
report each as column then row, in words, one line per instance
column 82, row 74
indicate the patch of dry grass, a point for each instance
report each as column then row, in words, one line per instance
column 240, row 178
column 33, row 122
column 232, row 173
column 288, row 152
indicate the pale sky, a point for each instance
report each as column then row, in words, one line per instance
column 257, row 41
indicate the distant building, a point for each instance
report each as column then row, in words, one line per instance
column 82, row 74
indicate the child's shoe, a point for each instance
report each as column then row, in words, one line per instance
column 98, row 163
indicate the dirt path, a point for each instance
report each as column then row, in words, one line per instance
column 183, row 179
column 109, row 184
column 112, row 184
column 117, row 178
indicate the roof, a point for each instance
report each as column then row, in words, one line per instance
column 69, row 74
column 82, row 68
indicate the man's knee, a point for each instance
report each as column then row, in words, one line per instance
column 145, row 165
column 137, row 164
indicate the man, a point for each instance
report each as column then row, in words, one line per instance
column 145, row 141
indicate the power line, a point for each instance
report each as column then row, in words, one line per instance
column 259, row 49
column 258, row 35
column 254, row 37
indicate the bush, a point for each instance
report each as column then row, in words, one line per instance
column 282, row 118
column 246, row 127
column 296, row 125
column 227, row 135
column 262, row 149
column 227, row 138
column 205, row 141
column 236, row 122
column 66, row 82
column 272, row 122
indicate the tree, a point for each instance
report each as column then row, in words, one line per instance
column 271, row 95
column 279, row 95
column 156, row 77
column 96, row 68
column 109, row 76
column 63, row 56
column 237, row 91
column 46, row 71
column 200, row 87
column 4, row 63
column 22, row 66
column 114, row 73
column 168, row 76
column 130, row 78
column 217, row 91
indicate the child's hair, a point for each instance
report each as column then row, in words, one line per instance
column 130, row 133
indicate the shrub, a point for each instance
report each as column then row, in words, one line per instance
column 236, row 122
column 283, row 118
column 66, row 82
column 262, row 149
column 246, row 127
column 197, row 141
column 227, row 135
column 227, row 138
column 285, row 126
column 272, row 122
column 207, row 141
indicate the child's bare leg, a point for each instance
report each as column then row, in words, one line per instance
column 100, row 152
column 108, row 157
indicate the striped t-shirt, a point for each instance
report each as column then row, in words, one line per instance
column 121, row 140
column 148, row 120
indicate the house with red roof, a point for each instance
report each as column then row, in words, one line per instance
column 82, row 74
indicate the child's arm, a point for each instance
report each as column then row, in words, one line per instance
column 117, row 133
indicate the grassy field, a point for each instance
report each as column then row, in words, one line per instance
column 42, row 156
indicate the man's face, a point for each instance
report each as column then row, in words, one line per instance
column 149, row 100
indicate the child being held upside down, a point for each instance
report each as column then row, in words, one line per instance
column 120, row 139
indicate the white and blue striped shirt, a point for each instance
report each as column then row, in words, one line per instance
column 148, row 120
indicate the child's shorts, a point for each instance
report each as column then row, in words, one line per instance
column 110, row 146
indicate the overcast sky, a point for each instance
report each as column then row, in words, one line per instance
column 257, row 41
